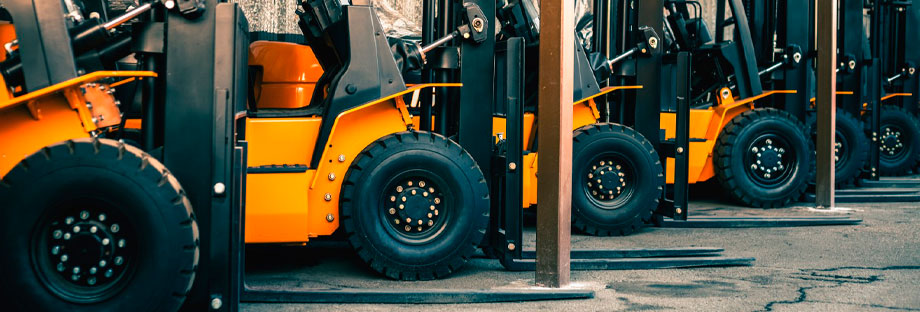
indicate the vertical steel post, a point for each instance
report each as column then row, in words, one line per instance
column 557, row 54
column 825, row 101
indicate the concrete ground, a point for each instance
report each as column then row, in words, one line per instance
column 874, row 266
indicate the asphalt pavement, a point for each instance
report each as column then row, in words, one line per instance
column 873, row 266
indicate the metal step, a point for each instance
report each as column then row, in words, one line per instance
column 873, row 195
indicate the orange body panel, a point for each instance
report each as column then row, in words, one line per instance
column 281, row 141
column 707, row 124
column 54, row 114
column 584, row 112
column 277, row 207
column 292, row 207
column 21, row 134
column 288, row 76
column 7, row 34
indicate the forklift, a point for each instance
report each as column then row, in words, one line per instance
column 162, row 225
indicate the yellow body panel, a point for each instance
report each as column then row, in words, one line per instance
column 281, row 141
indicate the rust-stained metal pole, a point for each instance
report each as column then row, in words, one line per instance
column 554, row 215
column 825, row 101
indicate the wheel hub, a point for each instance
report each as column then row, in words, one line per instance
column 414, row 206
column 768, row 162
column 891, row 141
column 88, row 249
column 606, row 180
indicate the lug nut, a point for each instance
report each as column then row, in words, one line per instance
column 102, row 263
column 57, row 234
column 84, row 215
column 105, row 242
column 119, row 260
column 92, row 270
column 91, row 281
column 421, row 183
column 121, row 243
column 115, row 228
column 399, row 189
column 64, row 258
column 437, row 200
column 66, row 236
column 60, row 267
column 55, row 250
column 109, row 272
column 754, row 149
column 408, row 228
column 392, row 210
column 392, row 198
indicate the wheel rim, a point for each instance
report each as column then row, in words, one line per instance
column 770, row 160
column 891, row 147
column 84, row 250
column 610, row 180
column 416, row 207
column 841, row 150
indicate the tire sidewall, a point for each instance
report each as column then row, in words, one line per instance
column 789, row 130
column 158, row 251
column 467, row 215
column 595, row 141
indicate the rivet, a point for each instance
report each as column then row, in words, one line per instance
column 93, row 229
column 680, row 150
column 430, row 189
column 511, row 246
column 64, row 258
column 121, row 243
column 330, row 217
column 57, row 249
column 512, row 166
column 678, row 210
column 66, row 236
column 109, row 272
column 341, row 158
column 219, row 188
column 396, row 221
column 619, row 167
column 327, row 197
column 119, row 260
column 331, row 176
column 216, row 304
column 68, row 220
column 408, row 220
column 105, row 242
column 102, row 263
column 60, row 267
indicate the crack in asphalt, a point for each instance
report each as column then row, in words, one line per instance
column 838, row 280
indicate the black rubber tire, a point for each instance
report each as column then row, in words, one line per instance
column 84, row 174
column 732, row 167
column 643, row 175
column 902, row 162
column 371, row 231
column 853, row 142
